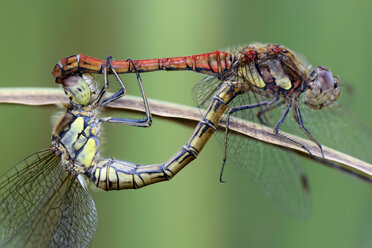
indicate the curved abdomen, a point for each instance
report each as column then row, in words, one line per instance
column 113, row 174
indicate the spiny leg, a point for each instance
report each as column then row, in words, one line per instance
column 280, row 122
column 122, row 91
column 144, row 122
column 298, row 117
column 105, row 85
column 231, row 111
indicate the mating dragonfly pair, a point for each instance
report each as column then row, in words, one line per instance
column 43, row 199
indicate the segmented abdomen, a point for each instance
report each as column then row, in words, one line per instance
column 207, row 63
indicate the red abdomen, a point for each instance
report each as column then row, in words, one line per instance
column 207, row 63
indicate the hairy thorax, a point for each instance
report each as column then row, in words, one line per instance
column 76, row 138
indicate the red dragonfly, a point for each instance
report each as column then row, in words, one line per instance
column 260, row 78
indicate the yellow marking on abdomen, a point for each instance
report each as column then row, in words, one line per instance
column 111, row 174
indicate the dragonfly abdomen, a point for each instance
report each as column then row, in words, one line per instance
column 207, row 63
column 113, row 174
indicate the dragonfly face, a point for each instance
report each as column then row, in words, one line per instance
column 79, row 89
column 324, row 88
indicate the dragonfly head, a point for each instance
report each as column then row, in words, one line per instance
column 323, row 88
column 79, row 88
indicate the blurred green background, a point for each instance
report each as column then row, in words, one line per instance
column 194, row 209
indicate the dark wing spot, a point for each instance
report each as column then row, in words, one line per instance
column 305, row 183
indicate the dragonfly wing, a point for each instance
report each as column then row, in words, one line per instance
column 278, row 173
column 42, row 205
column 22, row 189
column 274, row 170
column 205, row 90
column 337, row 128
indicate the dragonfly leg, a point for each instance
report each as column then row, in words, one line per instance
column 122, row 90
column 280, row 122
column 298, row 117
column 144, row 122
column 105, row 86
column 231, row 111
column 267, row 109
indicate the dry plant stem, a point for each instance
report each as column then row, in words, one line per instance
column 191, row 116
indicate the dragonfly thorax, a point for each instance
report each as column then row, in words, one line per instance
column 272, row 68
column 76, row 138
column 277, row 71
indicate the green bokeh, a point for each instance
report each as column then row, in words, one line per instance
column 194, row 209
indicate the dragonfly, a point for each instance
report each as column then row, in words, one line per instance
column 44, row 200
column 260, row 77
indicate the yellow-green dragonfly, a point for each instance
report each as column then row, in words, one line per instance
column 43, row 199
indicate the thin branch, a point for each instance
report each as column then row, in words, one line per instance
column 190, row 116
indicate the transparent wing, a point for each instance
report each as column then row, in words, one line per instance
column 42, row 205
column 338, row 128
column 333, row 126
column 274, row 170
column 22, row 189
column 205, row 90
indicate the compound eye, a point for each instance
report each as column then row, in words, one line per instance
column 323, row 88
column 91, row 81
column 77, row 90
column 325, row 81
